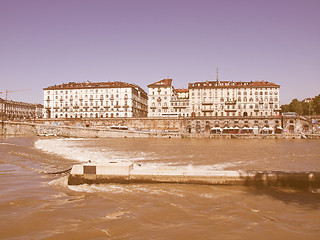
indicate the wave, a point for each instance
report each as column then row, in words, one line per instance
column 75, row 149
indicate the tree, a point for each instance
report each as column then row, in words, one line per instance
column 306, row 108
column 316, row 104
column 285, row 108
column 296, row 106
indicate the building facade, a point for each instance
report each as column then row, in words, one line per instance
column 95, row 100
column 165, row 101
column 228, row 98
column 214, row 99
column 12, row 110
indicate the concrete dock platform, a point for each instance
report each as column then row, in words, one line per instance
column 127, row 172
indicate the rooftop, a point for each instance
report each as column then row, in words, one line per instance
column 232, row 84
column 162, row 83
column 88, row 84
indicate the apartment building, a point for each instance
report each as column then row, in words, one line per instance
column 229, row 98
column 13, row 110
column 165, row 101
column 95, row 100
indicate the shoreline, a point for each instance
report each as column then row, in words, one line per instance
column 48, row 130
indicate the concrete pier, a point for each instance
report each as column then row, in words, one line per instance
column 128, row 173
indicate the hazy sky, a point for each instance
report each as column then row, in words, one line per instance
column 48, row 42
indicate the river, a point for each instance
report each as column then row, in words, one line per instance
column 37, row 205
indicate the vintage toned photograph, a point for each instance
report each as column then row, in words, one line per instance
column 160, row 119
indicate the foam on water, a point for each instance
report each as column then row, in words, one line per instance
column 125, row 189
column 74, row 149
column 78, row 149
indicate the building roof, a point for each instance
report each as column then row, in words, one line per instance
column 232, row 84
column 88, row 84
column 182, row 90
column 162, row 83
column 20, row 103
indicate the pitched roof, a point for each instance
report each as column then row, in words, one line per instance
column 162, row 83
column 75, row 85
column 181, row 90
column 231, row 84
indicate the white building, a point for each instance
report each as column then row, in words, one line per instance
column 165, row 101
column 95, row 100
column 12, row 110
column 228, row 98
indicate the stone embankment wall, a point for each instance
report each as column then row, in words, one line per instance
column 33, row 129
column 155, row 127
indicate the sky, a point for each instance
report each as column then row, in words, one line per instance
column 49, row 42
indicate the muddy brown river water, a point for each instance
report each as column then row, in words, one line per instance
column 37, row 205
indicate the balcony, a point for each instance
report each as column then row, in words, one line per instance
column 207, row 110
column 231, row 102
column 126, row 106
column 207, row 103
column 230, row 110
column 117, row 106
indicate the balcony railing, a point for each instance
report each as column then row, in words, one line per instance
column 207, row 103
column 231, row 102
column 207, row 110
column 230, row 110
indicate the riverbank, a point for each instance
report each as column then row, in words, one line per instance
column 49, row 130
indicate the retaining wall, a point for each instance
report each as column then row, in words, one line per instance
column 129, row 173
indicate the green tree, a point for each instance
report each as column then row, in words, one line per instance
column 296, row 106
column 285, row 108
column 306, row 108
column 316, row 104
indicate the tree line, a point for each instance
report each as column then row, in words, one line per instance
column 303, row 108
